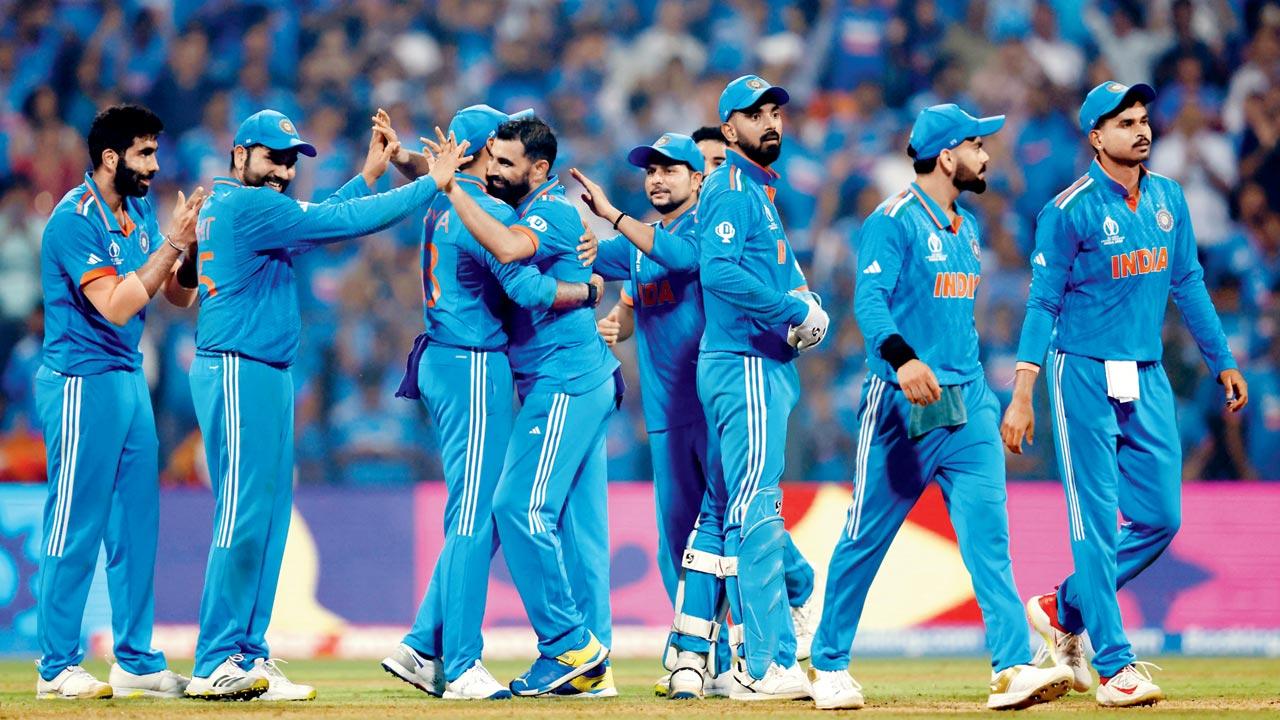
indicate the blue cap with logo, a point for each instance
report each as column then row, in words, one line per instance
column 942, row 127
column 477, row 123
column 748, row 90
column 1107, row 97
column 272, row 129
column 668, row 149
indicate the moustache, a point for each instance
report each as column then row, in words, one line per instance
column 770, row 136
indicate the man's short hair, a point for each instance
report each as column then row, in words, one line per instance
column 117, row 127
column 535, row 135
column 709, row 132
column 922, row 167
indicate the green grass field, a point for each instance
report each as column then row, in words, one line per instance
column 1196, row 687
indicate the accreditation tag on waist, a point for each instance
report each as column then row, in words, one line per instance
column 948, row 411
column 1122, row 380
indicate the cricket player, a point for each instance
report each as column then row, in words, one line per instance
column 711, row 144
column 550, row 506
column 102, row 260
column 759, row 315
column 459, row 368
column 246, row 341
column 663, row 301
column 1110, row 250
column 927, row 414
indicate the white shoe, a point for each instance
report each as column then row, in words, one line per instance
column 719, row 686
column 280, row 688
column 420, row 671
column 835, row 690
column 476, row 684
column 161, row 684
column 1065, row 648
column 1130, row 687
column 778, row 683
column 688, row 680
column 227, row 682
column 803, row 621
column 73, row 683
column 1022, row 686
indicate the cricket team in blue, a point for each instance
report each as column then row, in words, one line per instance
column 515, row 370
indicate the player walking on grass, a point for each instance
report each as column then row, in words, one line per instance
column 927, row 414
column 246, row 341
column 102, row 260
column 1110, row 250
column 550, row 506
column 459, row 369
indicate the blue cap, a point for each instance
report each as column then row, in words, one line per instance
column 666, row 149
column 1107, row 97
column 477, row 123
column 746, row 91
column 272, row 129
column 942, row 127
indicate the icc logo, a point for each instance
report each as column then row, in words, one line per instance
column 113, row 250
column 935, row 249
column 726, row 231
column 1111, row 229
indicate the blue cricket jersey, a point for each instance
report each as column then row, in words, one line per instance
column 918, row 279
column 746, row 264
column 663, row 288
column 1104, row 267
column 465, row 289
column 248, row 291
column 81, row 243
column 556, row 351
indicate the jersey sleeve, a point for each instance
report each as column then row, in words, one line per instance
column 82, row 249
column 522, row 282
column 269, row 220
column 354, row 188
column 678, row 253
column 1192, row 298
column 553, row 227
column 1051, row 263
column 724, row 223
column 880, row 256
column 613, row 259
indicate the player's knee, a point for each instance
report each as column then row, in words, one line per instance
column 508, row 511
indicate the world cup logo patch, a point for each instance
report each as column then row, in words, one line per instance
column 1164, row 220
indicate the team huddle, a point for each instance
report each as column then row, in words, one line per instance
column 720, row 313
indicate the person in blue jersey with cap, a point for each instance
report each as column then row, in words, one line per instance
column 246, row 341
column 759, row 315
column 1110, row 251
column 459, row 368
column 102, row 260
column 662, row 297
column 550, row 506
column 927, row 414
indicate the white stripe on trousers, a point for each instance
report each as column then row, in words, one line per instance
column 866, row 434
column 547, row 460
column 757, row 435
column 476, row 427
column 70, row 453
column 231, row 420
column 1064, row 447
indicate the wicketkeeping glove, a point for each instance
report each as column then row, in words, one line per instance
column 814, row 328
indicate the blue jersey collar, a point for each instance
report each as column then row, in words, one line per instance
column 473, row 180
column 550, row 188
column 759, row 173
column 108, row 218
column 227, row 181
column 934, row 211
column 1104, row 179
column 680, row 219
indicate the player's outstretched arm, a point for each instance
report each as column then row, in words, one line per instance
column 119, row 299
column 670, row 251
column 411, row 165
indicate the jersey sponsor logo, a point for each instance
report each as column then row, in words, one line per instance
column 537, row 223
column 726, row 231
column 935, row 249
column 957, row 285
column 1139, row 262
column 872, row 269
column 656, row 293
column 1164, row 220
column 1111, row 229
column 94, row 259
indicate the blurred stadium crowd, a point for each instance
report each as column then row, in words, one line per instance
column 609, row 74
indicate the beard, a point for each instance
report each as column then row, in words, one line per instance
column 670, row 205
column 967, row 180
column 129, row 183
column 758, row 153
column 261, row 179
column 508, row 192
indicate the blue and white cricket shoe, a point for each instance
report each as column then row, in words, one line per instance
column 546, row 674
column 476, row 684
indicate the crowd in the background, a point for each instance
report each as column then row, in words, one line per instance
column 609, row 75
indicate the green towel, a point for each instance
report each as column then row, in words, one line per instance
column 948, row 411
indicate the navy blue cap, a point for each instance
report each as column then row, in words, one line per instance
column 666, row 149
column 746, row 91
column 272, row 129
column 477, row 123
column 942, row 127
column 1107, row 97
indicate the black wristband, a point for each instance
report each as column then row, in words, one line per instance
column 620, row 216
column 896, row 351
column 593, row 295
column 188, row 275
